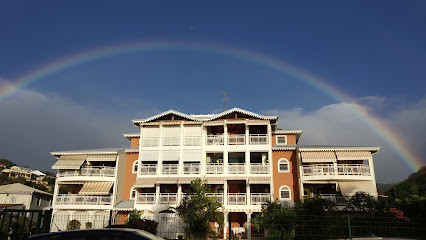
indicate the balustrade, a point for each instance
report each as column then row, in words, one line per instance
column 76, row 199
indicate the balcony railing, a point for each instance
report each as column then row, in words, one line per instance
column 337, row 170
column 214, row 168
column 148, row 169
column 259, row 198
column 170, row 169
column 88, row 172
column 238, row 139
column 259, row 168
column 258, row 139
column 237, row 199
column 218, row 196
column 145, row 198
column 171, row 141
column 192, row 168
column 214, row 140
column 76, row 199
column 192, row 141
column 168, row 198
column 150, row 141
column 338, row 199
column 237, row 168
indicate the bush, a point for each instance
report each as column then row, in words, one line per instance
column 73, row 225
column 89, row 225
column 143, row 224
column 278, row 220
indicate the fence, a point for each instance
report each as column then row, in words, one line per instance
column 19, row 224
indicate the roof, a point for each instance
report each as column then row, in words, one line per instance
column 19, row 188
column 208, row 117
column 89, row 151
column 38, row 173
column 131, row 135
column 337, row 148
column 125, row 204
column 132, row 150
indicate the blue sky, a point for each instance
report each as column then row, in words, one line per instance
column 372, row 51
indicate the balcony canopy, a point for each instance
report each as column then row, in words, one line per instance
column 96, row 188
column 70, row 162
column 353, row 155
column 145, row 182
column 101, row 158
column 312, row 157
column 352, row 187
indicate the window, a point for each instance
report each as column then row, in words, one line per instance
column 133, row 193
column 283, row 165
column 282, row 140
column 38, row 201
column 13, row 199
column 285, row 193
column 135, row 167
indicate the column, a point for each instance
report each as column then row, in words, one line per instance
column 225, row 133
column 247, row 135
column 247, row 161
column 225, row 162
column 225, row 193
column 248, row 225
column 225, row 225
column 179, row 194
column 157, row 194
column 248, row 201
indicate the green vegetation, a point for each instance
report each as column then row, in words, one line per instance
column 73, row 225
column 6, row 162
column 136, row 221
column 197, row 210
column 278, row 220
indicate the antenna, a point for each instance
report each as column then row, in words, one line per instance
column 226, row 99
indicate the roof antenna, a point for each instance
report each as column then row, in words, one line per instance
column 226, row 99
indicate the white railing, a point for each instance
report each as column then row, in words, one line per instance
column 338, row 170
column 88, row 172
column 237, row 199
column 338, row 199
column 218, row 196
column 150, row 141
column 214, row 140
column 76, row 199
column 259, row 168
column 168, row 198
column 258, row 139
column 191, row 168
column 192, row 141
column 148, row 169
column 171, row 141
column 214, row 168
column 259, row 198
column 238, row 139
column 145, row 198
column 170, row 169
column 237, row 168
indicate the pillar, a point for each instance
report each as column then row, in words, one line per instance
column 225, row 225
column 157, row 194
column 248, row 225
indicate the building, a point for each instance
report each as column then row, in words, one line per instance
column 242, row 155
column 20, row 196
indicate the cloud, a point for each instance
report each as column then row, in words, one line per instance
column 338, row 124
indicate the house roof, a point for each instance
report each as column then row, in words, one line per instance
column 131, row 135
column 18, row 188
column 89, row 151
column 337, row 148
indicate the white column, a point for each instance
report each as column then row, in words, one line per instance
column 225, row 193
column 157, row 194
column 247, row 161
column 248, row 225
column 225, row 162
column 225, row 133
column 179, row 192
column 247, row 135
column 248, row 201
column 225, row 225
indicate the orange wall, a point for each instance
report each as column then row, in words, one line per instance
column 291, row 139
column 129, row 177
column 290, row 179
column 134, row 142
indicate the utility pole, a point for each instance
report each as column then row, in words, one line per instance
column 226, row 93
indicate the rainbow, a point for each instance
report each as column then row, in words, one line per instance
column 399, row 148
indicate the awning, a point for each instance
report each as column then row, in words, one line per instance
column 194, row 155
column 96, row 188
column 259, row 180
column 145, row 182
column 352, row 187
column 185, row 180
column 353, row 155
column 214, row 180
column 213, row 123
column 101, row 158
column 149, row 155
column 70, row 162
column 318, row 156
column 167, row 180
column 257, row 122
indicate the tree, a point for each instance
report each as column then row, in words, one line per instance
column 315, row 206
column 362, row 202
column 197, row 210
column 278, row 219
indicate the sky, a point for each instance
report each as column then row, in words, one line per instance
column 73, row 74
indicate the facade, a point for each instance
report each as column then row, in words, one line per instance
column 20, row 196
column 242, row 155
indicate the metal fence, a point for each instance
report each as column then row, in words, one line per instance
column 19, row 224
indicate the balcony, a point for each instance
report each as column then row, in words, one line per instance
column 237, row 139
column 76, row 199
column 259, row 168
column 148, row 169
column 339, row 171
column 237, row 199
column 259, row 198
column 88, row 172
column 192, row 168
column 258, row 139
column 237, row 168
column 214, row 140
column 192, row 141
column 145, row 198
column 171, row 141
column 170, row 169
column 168, row 198
column 150, row 142
column 214, row 168
column 218, row 196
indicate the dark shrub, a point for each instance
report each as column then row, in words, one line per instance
column 143, row 224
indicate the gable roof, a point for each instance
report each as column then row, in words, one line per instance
column 252, row 114
column 18, row 188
